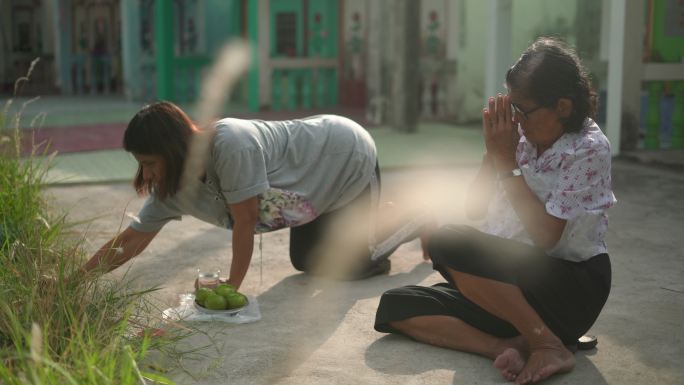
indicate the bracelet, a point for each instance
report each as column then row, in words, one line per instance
column 509, row 174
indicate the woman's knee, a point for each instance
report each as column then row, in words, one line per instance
column 425, row 328
column 400, row 325
column 451, row 241
column 302, row 244
column 409, row 326
column 298, row 263
column 298, row 256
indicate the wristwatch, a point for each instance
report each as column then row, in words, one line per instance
column 512, row 173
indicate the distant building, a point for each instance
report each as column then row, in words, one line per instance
column 334, row 53
column 308, row 53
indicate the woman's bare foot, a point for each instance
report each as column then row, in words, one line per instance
column 512, row 359
column 510, row 363
column 545, row 361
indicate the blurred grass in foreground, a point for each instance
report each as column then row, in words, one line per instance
column 56, row 330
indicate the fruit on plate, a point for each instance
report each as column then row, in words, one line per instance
column 223, row 297
column 216, row 302
column 236, row 300
column 201, row 295
column 225, row 289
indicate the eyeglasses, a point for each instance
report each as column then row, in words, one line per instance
column 525, row 114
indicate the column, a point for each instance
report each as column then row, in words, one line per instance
column 450, row 90
column 62, row 17
column 624, row 73
column 616, row 72
column 377, row 48
column 405, row 75
column 253, row 35
column 498, row 56
column 163, row 38
column 130, row 49
column 264, row 46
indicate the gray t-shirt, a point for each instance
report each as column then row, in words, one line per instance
column 298, row 169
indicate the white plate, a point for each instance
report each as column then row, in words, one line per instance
column 219, row 312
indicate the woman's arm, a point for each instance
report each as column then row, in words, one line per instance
column 245, row 215
column 501, row 137
column 118, row 250
column 545, row 229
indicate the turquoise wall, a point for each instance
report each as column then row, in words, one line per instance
column 222, row 22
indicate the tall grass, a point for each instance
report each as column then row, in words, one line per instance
column 54, row 328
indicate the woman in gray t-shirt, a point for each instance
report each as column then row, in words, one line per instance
column 255, row 176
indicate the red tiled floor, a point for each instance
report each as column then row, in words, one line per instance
column 74, row 138
column 109, row 136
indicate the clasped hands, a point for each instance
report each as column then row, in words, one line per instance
column 500, row 132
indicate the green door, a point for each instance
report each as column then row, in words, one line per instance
column 303, row 29
column 187, row 38
column 667, row 46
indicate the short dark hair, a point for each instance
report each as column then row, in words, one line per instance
column 163, row 129
column 549, row 70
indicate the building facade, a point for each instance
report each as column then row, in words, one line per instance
column 311, row 54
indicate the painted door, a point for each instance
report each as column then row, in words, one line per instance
column 187, row 34
column 303, row 29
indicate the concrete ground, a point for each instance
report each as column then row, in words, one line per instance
column 318, row 331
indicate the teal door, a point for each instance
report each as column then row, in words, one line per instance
column 303, row 29
column 187, row 36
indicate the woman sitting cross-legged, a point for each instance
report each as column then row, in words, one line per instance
column 536, row 275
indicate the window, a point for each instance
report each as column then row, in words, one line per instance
column 22, row 22
column 286, row 34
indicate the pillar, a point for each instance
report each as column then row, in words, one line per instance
column 253, row 35
column 63, row 49
column 163, row 40
column 498, row 55
column 405, row 75
column 130, row 49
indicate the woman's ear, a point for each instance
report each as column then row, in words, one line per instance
column 564, row 107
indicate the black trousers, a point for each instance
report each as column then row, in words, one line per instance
column 568, row 296
column 305, row 239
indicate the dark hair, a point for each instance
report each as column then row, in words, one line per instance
column 549, row 70
column 162, row 129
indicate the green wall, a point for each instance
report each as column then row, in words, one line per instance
column 666, row 48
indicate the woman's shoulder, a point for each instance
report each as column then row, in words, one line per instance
column 232, row 126
column 591, row 138
column 235, row 133
column 596, row 139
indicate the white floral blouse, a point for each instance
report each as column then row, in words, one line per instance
column 572, row 179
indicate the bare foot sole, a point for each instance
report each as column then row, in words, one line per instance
column 544, row 362
column 510, row 362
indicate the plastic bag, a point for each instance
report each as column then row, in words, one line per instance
column 186, row 311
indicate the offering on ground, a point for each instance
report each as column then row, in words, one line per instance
column 223, row 297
